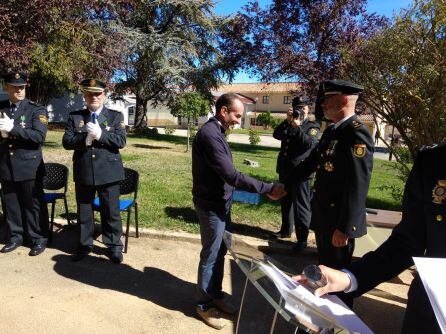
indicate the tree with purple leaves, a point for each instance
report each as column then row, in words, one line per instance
column 298, row 39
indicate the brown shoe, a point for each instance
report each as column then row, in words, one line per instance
column 211, row 317
column 225, row 306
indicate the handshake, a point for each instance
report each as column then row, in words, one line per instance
column 277, row 192
column 6, row 125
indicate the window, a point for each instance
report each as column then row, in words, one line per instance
column 266, row 99
column 286, row 99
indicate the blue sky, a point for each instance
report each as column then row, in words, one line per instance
column 383, row 7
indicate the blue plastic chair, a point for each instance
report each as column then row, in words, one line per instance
column 127, row 186
column 245, row 197
column 56, row 178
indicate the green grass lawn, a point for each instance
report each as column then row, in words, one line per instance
column 246, row 131
column 164, row 196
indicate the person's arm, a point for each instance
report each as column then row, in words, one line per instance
column 73, row 140
column 115, row 139
column 280, row 132
column 37, row 132
column 220, row 161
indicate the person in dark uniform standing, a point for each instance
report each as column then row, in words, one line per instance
column 421, row 233
column 343, row 161
column 96, row 134
column 23, row 127
column 214, row 179
column 298, row 135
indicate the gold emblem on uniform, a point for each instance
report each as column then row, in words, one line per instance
column 313, row 132
column 359, row 150
column 329, row 166
column 122, row 125
column 43, row 119
column 92, row 83
column 17, row 76
column 356, row 124
column 439, row 192
column 439, row 218
column 81, row 123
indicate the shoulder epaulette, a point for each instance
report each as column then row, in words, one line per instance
column 357, row 124
column 428, row 147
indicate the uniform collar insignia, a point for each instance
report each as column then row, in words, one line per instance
column 439, row 192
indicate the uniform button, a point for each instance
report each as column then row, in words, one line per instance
column 439, row 218
column 93, row 156
column 287, row 140
column 332, row 205
column 11, row 153
column 284, row 154
column 322, row 155
column 354, row 228
column 286, row 146
column 314, row 190
column 35, row 157
column 10, row 146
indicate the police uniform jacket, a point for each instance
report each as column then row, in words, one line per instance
column 296, row 143
column 343, row 162
column 213, row 172
column 100, row 163
column 421, row 232
column 21, row 153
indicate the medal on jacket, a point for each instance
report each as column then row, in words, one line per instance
column 22, row 123
column 329, row 166
column 331, row 147
column 439, row 192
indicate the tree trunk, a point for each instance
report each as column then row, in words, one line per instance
column 188, row 134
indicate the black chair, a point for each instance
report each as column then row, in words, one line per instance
column 127, row 186
column 56, row 178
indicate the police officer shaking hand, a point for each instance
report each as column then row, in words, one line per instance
column 96, row 134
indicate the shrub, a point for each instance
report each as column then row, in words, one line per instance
column 254, row 137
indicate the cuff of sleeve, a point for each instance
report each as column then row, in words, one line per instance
column 353, row 281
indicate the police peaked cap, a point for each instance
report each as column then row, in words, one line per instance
column 335, row 87
column 16, row 79
column 93, row 85
column 300, row 101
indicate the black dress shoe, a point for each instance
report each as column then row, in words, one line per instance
column 281, row 235
column 10, row 246
column 115, row 256
column 81, row 253
column 37, row 249
column 300, row 246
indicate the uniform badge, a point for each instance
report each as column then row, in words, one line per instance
column 17, row 76
column 43, row 119
column 81, row 123
column 332, row 147
column 439, row 192
column 122, row 125
column 92, row 83
column 329, row 166
column 313, row 132
column 359, row 150
column 356, row 124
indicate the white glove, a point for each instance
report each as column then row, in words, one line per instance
column 6, row 124
column 94, row 130
column 89, row 139
column 5, row 134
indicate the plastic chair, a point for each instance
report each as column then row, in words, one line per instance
column 127, row 186
column 56, row 178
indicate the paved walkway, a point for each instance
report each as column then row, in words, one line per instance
column 266, row 140
column 151, row 292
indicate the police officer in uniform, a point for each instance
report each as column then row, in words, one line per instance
column 23, row 126
column 298, row 135
column 96, row 134
column 421, row 232
column 343, row 161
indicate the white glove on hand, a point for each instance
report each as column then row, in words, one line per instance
column 5, row 134
column 6, row 124
column 89, row 139
column 94, row 130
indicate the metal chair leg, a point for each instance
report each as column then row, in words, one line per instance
column 136, row 220
column 127, row 230
column 53, row 205
column 66, row 210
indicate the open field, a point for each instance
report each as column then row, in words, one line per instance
column 166, row 180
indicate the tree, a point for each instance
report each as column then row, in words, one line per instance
column 298, row 39
column 265, row 119
column 59, row 42
column 175, row 49
column 190, row 106
column 404, row 72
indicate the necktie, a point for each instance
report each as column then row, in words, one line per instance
column 13, row 109
column 94, row 117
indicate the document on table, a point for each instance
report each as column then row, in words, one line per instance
column 328, row 307
column 432, row 272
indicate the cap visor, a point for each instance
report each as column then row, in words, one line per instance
column 93, row 89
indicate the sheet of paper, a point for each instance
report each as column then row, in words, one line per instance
column 432, row 272
column 330, row 307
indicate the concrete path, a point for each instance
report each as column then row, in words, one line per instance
column 151, row 292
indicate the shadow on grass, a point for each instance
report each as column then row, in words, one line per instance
column 151, row 147
column 373, row 202
column 160, row 137
column 52, row 144
column 186, row 214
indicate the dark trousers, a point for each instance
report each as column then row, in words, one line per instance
column 335, row 257
column 296, row 210
column 111, row 225
column 26, row 211
column 212, row 255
